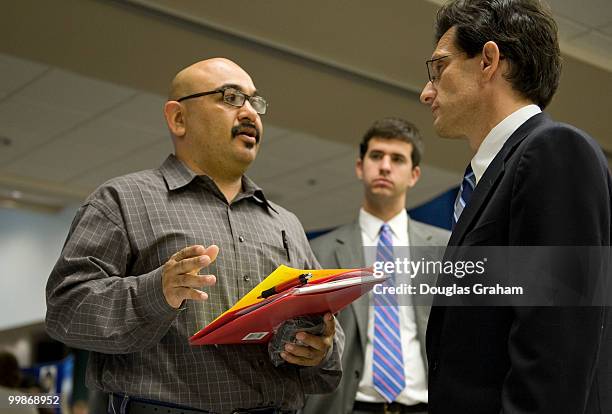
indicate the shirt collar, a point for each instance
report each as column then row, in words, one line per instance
column 178, row 175
column 250, row 189
column 498, row 136
column 371, row 224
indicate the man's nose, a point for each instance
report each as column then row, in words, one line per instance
column 247, row 112
column 385, row 163
column 428, row 94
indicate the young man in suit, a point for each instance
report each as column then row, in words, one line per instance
column 531, row 182
column 388, row 166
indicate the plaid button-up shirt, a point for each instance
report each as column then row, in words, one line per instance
column 105, row 293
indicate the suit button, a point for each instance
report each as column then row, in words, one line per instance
column 246, row 278
column 434, row 366
column 241, row 239
column 357, row 374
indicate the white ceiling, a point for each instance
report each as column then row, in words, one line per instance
column 585, row 29
column 69, row 131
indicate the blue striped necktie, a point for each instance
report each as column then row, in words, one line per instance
column 465, row 192
column 388, row 368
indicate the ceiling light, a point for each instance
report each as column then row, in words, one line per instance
column 12, row 198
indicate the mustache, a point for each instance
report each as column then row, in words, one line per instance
column 246, row 125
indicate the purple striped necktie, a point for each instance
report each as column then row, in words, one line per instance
column 388, row 362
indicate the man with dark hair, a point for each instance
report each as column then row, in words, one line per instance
column 127, row 285
column 396, row 128
column 531, row 182
column 388, row 166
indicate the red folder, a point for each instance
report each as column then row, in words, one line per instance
column 256, row 322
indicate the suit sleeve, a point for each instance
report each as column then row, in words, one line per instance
column 560, row 197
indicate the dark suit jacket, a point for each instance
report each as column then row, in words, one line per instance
column 548, row 186
column 343, row 248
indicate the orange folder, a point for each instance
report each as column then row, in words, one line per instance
column 253, row 318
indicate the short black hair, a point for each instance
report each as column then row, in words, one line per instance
column 525, row 33
column 394, row 128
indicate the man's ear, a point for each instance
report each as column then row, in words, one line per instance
column 490, row 60
column 359, row 168
column 175, row 118
column 415, row 175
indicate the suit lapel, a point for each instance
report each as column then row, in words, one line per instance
column 414, row 234
column 349, row 254
column 481, row 194
column 488, row 182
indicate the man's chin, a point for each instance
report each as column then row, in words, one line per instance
column 443, row 131
column 380, row 191
column 246, row 154
column 440, row 129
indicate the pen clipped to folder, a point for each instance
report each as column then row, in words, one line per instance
column 301, row 280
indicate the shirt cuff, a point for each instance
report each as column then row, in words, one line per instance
column 153, row 300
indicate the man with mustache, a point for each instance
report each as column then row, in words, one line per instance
column 388, row 166
column 127, row 283
column 531, row 182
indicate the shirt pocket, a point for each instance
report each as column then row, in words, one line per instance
column 274, row 255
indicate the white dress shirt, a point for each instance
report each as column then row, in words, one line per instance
column 415, row 390
column 497, row 137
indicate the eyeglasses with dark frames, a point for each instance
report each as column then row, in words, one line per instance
column 234, row 97
column 434, row 67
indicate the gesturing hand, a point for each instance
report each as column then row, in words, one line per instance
column 316, row 347
column 180, row 276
